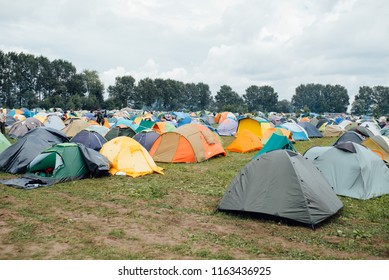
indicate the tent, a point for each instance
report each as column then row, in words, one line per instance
column 333, row 130
column 102, row 130
column 282, row 184
column 278, row 130
column 54, row 121
column 74, row 126
column 20, row 128
column 162, row 127
column 349, row 136
column 257, row 125
column 276, row 142
column 311, row 130
column 143, row 125
column 372, row 127
column 227, row 127
column 351, row 169
column 298, row 132
column 385, row 131
column 89, row 139
column 190, row 143
column 119, row 130
column 245, row 141
column 128, row 157
column 60, row 163
column 146, row 138
column 220, row 117
column 17, row 156
column 380, row 145
column 4, row 143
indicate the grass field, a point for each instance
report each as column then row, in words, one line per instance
column 174, row 216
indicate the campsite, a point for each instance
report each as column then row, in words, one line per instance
column 173, row 214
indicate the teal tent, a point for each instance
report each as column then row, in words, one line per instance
column 276, row 142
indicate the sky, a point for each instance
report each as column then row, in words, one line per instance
column 239, row 43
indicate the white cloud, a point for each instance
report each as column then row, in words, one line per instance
column 233, row 42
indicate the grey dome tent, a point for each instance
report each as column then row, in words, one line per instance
column 350, row 136
column 284, row 184
column 351, row 169
column 17, row 156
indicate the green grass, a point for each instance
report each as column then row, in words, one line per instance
column 174, row 216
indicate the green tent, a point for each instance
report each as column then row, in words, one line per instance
column 283, row 184
column 4, row 143
column 276, row 142
column 144, row 125
column 62, row 162
column 118, row 131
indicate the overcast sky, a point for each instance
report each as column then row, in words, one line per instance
column 219, row 42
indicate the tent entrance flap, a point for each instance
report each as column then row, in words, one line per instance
column 46, row 162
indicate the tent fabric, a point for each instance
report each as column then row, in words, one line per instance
column 129, row 157
column 74, row 126
column 146, row 138
column 278, row 130
column 276, row 142
column 385, row 131
column 245, row 141
column 311, row 130
column 378, row 144
column 19, row 129
column 16, row 157
column 60, row 163
column 361, row 175
column 258, row 126
column 90, row 139
column 119, row 130
column 162, row 127
column 144, row 125
column 190, row 143
column 298, row 132
column 54, row 121
column 333, row 130
column 102, row 130
column 220, row 117
column 4, row 143
column 282, row 184
column 349, row 136
column 227, row 128
column 372, row 127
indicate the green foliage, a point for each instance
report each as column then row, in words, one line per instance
column 319, row 98
column 262, row 98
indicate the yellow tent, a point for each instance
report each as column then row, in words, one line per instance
column 245, row 141
column 258, row 126
column 378, row 144
column 129, row 157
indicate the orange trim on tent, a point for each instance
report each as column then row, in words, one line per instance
column 184, row 152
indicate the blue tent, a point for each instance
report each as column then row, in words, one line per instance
column 311, row 130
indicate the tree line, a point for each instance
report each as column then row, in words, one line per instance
column 35, row 81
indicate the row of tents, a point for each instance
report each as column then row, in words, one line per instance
column 277, row 181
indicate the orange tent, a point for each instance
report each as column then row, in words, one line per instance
column 190, row 143
column 280, row 131
column 220, row 117
column 245, row 141
column 305, row 119
column 162, row 127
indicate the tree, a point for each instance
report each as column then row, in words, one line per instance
column 284, row 106
column 381, row 101
column 94, row 86
column 308, row 96
column 229, row 100
column 146, row 92
column 335, row 99
column 123, row 92
column 262, row 98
